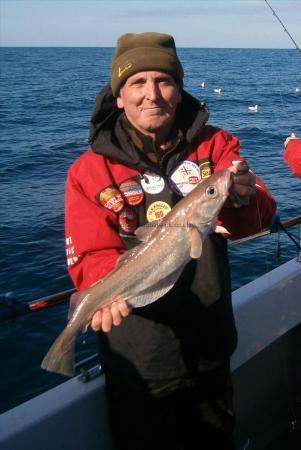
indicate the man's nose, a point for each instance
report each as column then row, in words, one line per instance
column 151, row 91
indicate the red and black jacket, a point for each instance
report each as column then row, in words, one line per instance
column 107, row 198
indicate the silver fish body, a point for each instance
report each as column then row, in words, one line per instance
column 148, row 271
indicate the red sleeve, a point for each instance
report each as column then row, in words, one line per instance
column 292, row 156
column 93, row 244
column 260, row 211
column 225, row 150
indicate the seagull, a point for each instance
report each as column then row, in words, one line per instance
column 297, row 90
column 203, row 84
column 253, row 108
column 217, row 90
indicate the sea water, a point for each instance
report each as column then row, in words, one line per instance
column 47, row 95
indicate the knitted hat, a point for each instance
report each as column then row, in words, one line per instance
column 145, row 51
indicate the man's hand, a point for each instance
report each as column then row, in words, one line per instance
column 106, row 318
column 243, row 185
column 289, row 138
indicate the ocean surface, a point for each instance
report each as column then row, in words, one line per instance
column 47, row 95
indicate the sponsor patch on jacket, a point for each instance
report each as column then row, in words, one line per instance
column 185, row 177
column 111, row 199
column 132, row 192
column 128, row 220
column 205, row 170
column 157, row 211
column 152, row 183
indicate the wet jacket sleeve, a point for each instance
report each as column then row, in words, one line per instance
column 93, row 244
column 292, row 156
column 260, row 211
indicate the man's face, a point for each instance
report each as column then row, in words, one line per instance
column 149, row 100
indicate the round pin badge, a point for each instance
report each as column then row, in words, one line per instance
column 128, row 220
column 111, row 199
column 152, row 183
column 132, row 192
column 186, row 177
column 157, row 211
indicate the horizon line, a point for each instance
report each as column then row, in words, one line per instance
column 178, row 47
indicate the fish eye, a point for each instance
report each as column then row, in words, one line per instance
column 211, row 191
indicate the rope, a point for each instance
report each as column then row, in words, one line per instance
column 289, row 235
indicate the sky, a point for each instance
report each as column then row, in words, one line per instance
column 193, row 23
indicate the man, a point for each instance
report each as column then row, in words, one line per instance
column 292, row 154
column 166, row 364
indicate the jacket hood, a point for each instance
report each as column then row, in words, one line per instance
column 108, row 138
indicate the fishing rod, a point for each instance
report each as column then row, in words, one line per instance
column 11, row 309
column 283, row 26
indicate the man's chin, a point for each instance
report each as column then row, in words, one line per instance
column 154, row 129
column 156, row 125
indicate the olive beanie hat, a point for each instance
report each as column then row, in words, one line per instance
column 144, row 51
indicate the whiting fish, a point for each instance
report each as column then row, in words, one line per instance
column 137, row 277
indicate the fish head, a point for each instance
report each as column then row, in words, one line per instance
column 207, row 200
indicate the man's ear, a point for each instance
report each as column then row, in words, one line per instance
column 119, row 102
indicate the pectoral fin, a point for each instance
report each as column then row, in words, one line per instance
column 196, row 242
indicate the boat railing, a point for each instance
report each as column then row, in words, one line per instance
column 276, row 227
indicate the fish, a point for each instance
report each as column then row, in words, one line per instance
column 149, row 270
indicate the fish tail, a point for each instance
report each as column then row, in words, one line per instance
column 60, row 356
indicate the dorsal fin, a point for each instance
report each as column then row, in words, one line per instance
column 75, row 300
column 145, row 231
